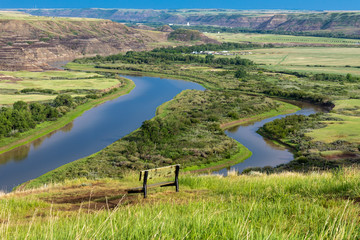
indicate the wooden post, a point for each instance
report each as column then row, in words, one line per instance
column 145, row 183
column 177, row 169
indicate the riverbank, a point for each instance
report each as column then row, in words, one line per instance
column 186, row 130
column 243, row 152
column 45, row 128
column 285, row 108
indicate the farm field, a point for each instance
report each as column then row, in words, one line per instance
column 274, row 38
column 76, row 83
column 309, row 59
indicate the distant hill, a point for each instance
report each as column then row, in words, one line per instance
column 30, row 42
column 347, row 22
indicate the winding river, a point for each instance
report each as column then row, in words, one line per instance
column 264, row 151
column 108, row 122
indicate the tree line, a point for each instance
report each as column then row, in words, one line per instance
column 158, row 57
column 213, row 29
column 226, row 46
column 22, row 116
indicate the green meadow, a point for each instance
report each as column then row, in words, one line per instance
column 348, row 129
column 255, row 206
column 333, row 59
column 76, row 83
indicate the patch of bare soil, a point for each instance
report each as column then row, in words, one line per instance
column 342, row 156
column 91, row 197
column 9, row 78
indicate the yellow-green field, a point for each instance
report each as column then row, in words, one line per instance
column 257, row 206
column 49, row 74
column 275, row 38
column 54, row 80
column 347, row 130
column 98, row 83
column 11, row 15
column 336, row 60
column 309, row 59
column 11, row 98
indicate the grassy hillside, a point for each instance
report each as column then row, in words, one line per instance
column 255, row 206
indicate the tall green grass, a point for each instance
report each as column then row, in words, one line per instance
column 284, row 206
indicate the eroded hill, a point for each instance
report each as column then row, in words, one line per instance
column 346, row 22
column 30, row 43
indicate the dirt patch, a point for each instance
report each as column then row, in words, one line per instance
column 93, row 197
column 9, row 79
column 342, row 156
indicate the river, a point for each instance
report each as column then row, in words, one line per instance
column 264, row 151
column 91, row 132
column 108, row 122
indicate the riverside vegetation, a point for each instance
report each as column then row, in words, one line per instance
column 64, row 96
column 234, row 74
column 192, row 136
column 187, row 130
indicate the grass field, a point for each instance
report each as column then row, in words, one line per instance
column 258, row 206
column 336, row 60
column 275, row 38
column 347, row 130
column 13, row 82
column 8, row 99
column 309, row 59
column 14, row 15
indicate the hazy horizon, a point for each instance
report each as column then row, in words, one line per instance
column 312, row 5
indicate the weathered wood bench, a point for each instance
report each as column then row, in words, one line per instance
column 154, row 173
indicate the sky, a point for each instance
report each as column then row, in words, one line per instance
column 165, row 4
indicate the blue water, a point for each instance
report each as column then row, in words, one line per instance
column 104, row 124
column 264, row 152
column 91, row 132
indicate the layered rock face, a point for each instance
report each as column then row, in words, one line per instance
column 30, row 45
column 348, row 22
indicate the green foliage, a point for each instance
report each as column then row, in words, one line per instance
column 20, row 105
column 240, row 73
column 185, row 131
column 159, row 57
column 185, row 35
column 292, row 130
column 63, row 100
column 208, row 47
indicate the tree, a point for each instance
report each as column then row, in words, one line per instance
column 37, row 111
column 209, row 58
column 240, row 73
column 63, row 100
column 20, row 105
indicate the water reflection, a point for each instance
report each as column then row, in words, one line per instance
column 91, row 132
column 265, row 152
column 20, row 153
